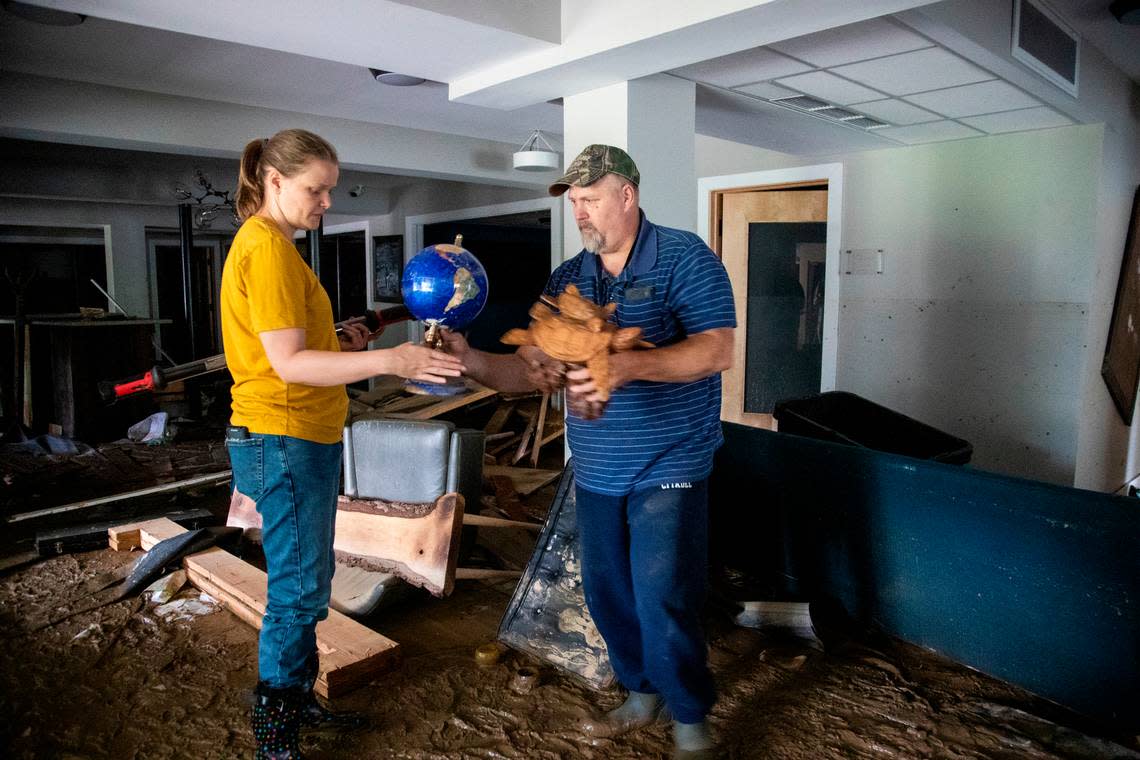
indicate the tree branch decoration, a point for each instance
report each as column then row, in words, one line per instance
column 211, row 202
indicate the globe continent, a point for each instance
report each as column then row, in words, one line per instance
column 445, row 284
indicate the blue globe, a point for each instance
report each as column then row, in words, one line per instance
column 445, row 284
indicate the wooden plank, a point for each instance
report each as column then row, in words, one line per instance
column 525, row 480
column 483, row 521
column 499, row 418
column 422, row 549
column 540, row 429
column 199, row 480
column 448, row 404
column 351, row 655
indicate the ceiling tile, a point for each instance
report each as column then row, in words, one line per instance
column 917, row 71
column 854, row 42
column 896, row 112
column 829, row 87
column 975, row 99
column 766, row 90
column 1016, row 121
column 933, row 132
column 745, row 67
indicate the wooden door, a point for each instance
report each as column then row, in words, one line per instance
column 744, row 216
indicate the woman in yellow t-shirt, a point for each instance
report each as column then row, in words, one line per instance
column 289, row 407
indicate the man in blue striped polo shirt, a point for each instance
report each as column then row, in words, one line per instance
column 642, row 459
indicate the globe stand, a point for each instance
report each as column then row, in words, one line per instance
column 454, row 386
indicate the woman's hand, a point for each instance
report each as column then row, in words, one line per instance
column 353, row 336
column 418, row 362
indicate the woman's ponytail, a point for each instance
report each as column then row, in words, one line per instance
column 250, row 194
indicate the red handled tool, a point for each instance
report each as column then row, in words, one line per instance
column 159, row 377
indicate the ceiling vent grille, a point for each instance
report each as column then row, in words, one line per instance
column 803, row 102
column 866, row 122
column 1044, row 42
column 839, row 114
column 828, row 111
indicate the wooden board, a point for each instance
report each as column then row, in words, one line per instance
column 351, row 655
column 419, row 543
column 525, row 480
column 445, row 404
column 421, row 549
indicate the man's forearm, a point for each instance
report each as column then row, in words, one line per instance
column 502, row 372
column 693, row 358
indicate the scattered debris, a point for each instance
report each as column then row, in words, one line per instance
column 154, row 429
column 164, row 589
column 185, row 608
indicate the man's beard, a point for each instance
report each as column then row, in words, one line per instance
column 592, row 240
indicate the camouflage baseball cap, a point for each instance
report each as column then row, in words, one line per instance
column 593, row 163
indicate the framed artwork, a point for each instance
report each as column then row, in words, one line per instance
column 387, row 267
column 1121, row 367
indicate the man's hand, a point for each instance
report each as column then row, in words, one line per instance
column 353, row 336
column 454, row 343
column 582, row 394
column 545, row 373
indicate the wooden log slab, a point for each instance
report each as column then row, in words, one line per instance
column 417, row 542
column 351, row 654
column 420, row 548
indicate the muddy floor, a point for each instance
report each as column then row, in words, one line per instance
column 125, row 682
column 132, row 680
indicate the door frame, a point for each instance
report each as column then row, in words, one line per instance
column 711, row 189
column 156, row 238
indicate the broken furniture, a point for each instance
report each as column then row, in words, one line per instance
column 406, row 484
column 67, row 356
column 351, row 655
column 547, row 615
column 1034, row 583
column 542, row 423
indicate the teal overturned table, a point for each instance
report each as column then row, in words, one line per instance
column 1033, row 583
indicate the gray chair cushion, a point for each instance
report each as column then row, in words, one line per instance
column 400, row 460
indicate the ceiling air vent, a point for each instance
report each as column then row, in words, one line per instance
column 803, row 102
column 1044, row 42
column 866, row 122
column 840, row 114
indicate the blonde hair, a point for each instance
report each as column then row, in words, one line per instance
column 288, row 152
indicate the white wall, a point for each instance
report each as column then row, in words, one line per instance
column 978, row 323
column 1108, row 452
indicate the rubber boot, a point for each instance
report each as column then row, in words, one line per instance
column 636, row 711
column 276, row 722
column 693, row 741
column 317, row 717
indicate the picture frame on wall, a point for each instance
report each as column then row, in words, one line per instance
column 1121, row 366
column 387, row 267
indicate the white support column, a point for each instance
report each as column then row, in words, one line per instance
column 654, row 120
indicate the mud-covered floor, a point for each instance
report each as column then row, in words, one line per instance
column 122, row 683
column 125, row 682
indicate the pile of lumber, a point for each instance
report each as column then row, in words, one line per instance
column 351, row 654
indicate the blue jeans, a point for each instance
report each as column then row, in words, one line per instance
column 295, row 484
column 645, row 576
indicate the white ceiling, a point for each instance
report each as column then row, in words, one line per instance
column 918, row 91
column 156, row 60
column 879, row 68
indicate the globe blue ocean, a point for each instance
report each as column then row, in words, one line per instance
column 445, row 284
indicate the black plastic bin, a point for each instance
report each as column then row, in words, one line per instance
column 847, row 418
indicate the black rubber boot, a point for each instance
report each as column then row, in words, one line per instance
column 276, row 722
column 317, row 717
